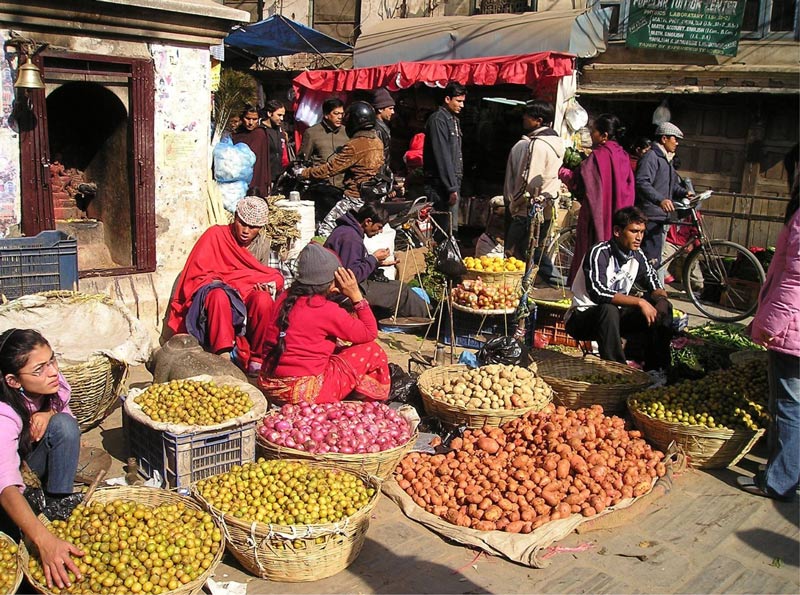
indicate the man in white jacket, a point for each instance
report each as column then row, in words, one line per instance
column 531, row 175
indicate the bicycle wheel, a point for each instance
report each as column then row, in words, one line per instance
column 723, row 280
column 562, row 249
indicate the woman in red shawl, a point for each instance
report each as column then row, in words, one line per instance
column 224, row 296
column 609, row 185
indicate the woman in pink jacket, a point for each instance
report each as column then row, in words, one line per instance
column 776, row 326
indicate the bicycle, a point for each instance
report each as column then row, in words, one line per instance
column 721, row 278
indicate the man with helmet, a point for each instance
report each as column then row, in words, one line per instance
column 360, row 159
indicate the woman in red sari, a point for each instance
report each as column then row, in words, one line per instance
column 609, row 185
column 305, row 359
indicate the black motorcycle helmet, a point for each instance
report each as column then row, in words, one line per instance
column 360, row 115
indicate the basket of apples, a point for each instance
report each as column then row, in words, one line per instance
column 478, row 297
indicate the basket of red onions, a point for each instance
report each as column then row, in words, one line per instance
column 361, row 436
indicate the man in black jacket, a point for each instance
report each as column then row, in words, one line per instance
column 383, row 103
column 442, row 161
column 604, row 311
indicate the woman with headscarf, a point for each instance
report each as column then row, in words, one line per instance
column 609, row 185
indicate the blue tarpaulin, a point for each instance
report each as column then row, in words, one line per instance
column 279, row 36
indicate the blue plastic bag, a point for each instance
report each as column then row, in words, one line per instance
column 233, row 163
column 232, row 193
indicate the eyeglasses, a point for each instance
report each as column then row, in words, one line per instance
column 40, row 369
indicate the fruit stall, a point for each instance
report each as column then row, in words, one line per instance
column 527, row 453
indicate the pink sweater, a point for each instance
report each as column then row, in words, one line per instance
column 776, row 324
column 10, row 429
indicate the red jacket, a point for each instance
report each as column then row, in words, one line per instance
column 314, row 325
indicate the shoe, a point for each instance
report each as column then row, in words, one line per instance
column 751, row 486
column 634, row 364
column 669, row 279
column 658, row 378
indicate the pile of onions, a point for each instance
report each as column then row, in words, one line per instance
column 538, row 468
column 350, row 427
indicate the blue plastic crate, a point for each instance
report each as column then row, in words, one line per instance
column 45, row 262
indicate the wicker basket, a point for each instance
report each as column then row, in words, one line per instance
column 380, row 464
column 559, row 370
column 297, row 553
column 705, row 448
column 18, row 576
column 511, row 278
column 96, row 382
column 503, row 312
column 432, row 379
column 751, row 355
column 148, row 497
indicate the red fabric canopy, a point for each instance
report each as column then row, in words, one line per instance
column 539, row 71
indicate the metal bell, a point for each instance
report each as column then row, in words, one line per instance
column 29, row 77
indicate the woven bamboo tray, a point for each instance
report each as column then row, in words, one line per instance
column 148, row 497
column 433, row 378
column 559, row 371
column 504, row 311
column 296, row 553
column 380, row 464
column 705, row 448
column 18, row 576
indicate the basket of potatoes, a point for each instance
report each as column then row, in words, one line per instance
column 485, row 396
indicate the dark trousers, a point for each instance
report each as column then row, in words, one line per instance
column 440, row 198
column 653, row 241
column 517, row 242
column 607, row 324
column 382, row 297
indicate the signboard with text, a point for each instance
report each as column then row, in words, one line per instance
column 701, row 26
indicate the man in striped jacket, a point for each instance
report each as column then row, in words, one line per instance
column 603, row 308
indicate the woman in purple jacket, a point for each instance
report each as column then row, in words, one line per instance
column 776, row 326
column 36, row 426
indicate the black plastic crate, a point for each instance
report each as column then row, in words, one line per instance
column 45, row 262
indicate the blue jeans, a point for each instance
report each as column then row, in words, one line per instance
column 782, row 475
column 55, row 457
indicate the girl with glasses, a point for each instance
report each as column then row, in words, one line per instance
column 36, row 426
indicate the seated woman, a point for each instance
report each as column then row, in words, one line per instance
column 306, row 361
column 36, row 426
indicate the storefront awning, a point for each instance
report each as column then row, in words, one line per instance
column 542, row 70
column 279, row 36
column 579, row 32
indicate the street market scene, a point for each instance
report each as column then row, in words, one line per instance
column 478, row 296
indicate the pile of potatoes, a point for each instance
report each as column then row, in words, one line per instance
column 495, row 387
column 532, row 470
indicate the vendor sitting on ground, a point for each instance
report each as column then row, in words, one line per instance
column 347, row 241
column 305, row 361
column 602, row 309
column 37, row 427
column 224, row 295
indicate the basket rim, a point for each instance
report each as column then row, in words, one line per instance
column 693, row 429
column 256, row 527
column 497, row 312
column 517, row 412
column 190, row 587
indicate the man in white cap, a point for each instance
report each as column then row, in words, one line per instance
column 657, row 186
column 224, row 295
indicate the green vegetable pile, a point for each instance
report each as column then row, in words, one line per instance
column 572, row 158
column 729, row 335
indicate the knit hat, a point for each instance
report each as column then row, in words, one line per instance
column 253, row 211
column 381, row 99
column 316, row 265
column 668, row 129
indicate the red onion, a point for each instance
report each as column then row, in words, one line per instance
column 348, row 427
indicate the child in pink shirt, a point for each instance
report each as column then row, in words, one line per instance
column 36, row 426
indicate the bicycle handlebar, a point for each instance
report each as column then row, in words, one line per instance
column 692, row 203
